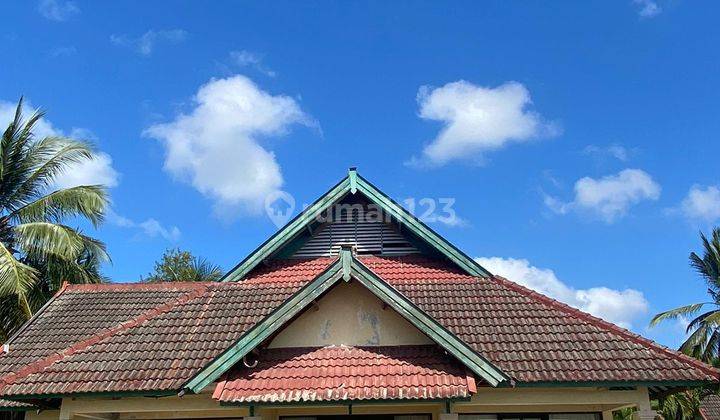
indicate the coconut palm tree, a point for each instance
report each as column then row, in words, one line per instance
column 178, row 265
column 704, row 341
column 37, row 250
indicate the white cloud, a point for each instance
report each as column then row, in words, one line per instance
column 609, row 197
column 702, row 203
column 150, row 227
column 621, row 307
column 477, row 119
column 647, row 8
column 146, row 43
column 244, row 58
column 96, row 171
column 614, row 150
column 217, row 147
column 58, row 10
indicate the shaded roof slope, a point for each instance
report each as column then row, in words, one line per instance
column 710, row 407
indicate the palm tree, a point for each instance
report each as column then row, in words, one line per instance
column 179, row 265
column 704, row 342
column 37, row 251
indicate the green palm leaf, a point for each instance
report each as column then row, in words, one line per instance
column 677, row 313
column 88, row 201
column 38, row 251
column 16, row 278
column 43, row 239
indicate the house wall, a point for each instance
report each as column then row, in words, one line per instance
column 349, row 314
column 487, row 400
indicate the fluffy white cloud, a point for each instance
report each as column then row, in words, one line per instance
column 609, row 197
column 217, row 146
column 96, row 171
column 647, row 8
column 58, row 10
column 702, row 203
column 621, row 307
column 150, row 227
column 244, row 58
column 146, row 43
column 477, row 119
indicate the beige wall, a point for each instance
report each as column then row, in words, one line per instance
column 487, row 400
column 349, row 314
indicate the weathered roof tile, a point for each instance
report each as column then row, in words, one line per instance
column 348, row 374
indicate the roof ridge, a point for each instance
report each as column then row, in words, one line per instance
column 47, row 361
column 601, row 323
column 167, row 285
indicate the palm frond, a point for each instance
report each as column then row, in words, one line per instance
column 46, row 159
column 43, row 239
column 88, row 201
column 701, row 319
column 694, row 345
column 677, row 312
column 16, row 278
column 205, row 271
column 708, row 266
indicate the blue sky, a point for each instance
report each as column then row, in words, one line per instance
column 576, row 138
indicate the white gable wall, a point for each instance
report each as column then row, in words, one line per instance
column 349, row 314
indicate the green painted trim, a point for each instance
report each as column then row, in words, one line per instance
column 428, row 325
column 352, row 176
column 352, row 183
column 344, row 403
column 609, row 384
column 265, row 328
column 289, row 231
column 346, row 260
column 304, row 297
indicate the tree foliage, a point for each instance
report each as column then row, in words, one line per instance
column 37, row 250
column 703, row 341
column 179, row 265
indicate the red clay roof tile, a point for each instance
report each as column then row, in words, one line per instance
column 530, row 337
column 340, row 373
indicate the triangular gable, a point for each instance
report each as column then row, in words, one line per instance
column 346, row 268
column 348, row 315
column 352, row 184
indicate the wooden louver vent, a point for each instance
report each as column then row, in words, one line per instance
column 369, row 235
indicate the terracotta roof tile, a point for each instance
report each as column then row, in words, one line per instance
column 340, row 373
column 529, row 336
column 121, row 341
column 147, row 349
column 710, row 407
column 7, row 405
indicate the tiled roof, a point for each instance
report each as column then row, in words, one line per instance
column 710, row 407
column 144, row 349
column 339, row 373
column 529, row 336
column 155, row 337
column 7, row 405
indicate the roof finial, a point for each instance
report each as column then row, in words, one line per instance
column 352, row 175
